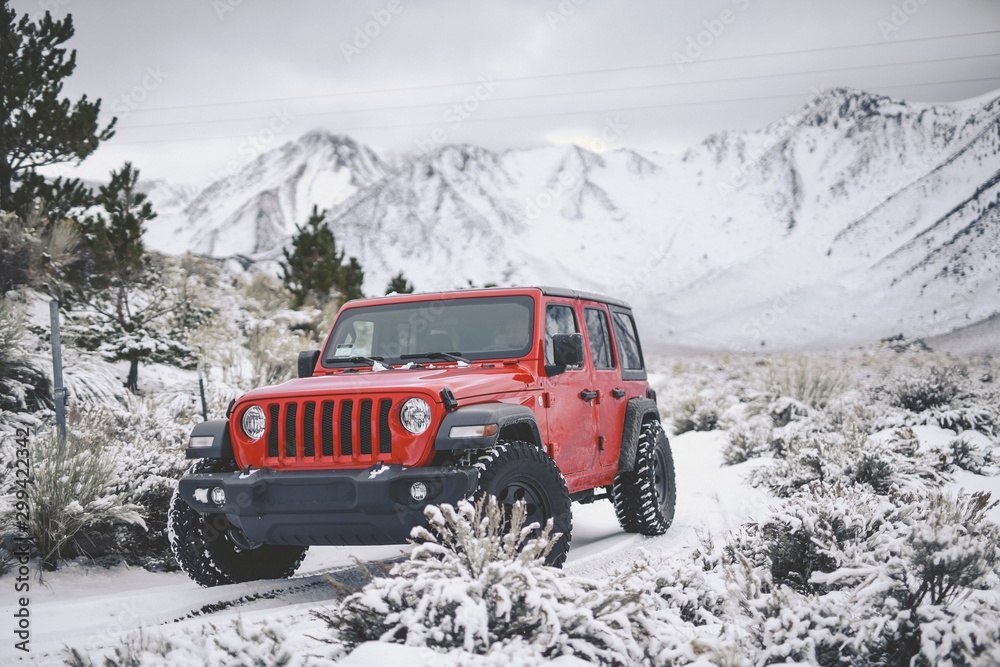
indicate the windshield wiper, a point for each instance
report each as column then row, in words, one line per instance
column 376, row 362
column 437, row 355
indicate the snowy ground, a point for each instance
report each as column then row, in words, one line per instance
column 90, row 608
column 95, row 610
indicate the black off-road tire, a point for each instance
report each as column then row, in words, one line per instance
column 514, row 471
column 205, row 551
column 644, row 497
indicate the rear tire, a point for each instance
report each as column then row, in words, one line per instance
column 206, row 550
column 514, row 471
column 644, row 497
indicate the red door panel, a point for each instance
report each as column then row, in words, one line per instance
column 607, row 381
column 571, row 421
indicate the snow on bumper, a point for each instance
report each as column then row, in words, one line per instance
column 335, row 507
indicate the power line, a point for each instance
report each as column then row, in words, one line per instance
column 559, row 113
column 532, row 77
column 567, row 93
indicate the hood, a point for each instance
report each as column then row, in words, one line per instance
column 465, row 383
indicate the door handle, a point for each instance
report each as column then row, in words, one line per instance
column 588, row 395
column 618, row 393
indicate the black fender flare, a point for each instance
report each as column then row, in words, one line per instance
column 221, row 447
column 517, row 418
column 637, row 412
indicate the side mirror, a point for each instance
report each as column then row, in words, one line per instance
column 307, row 363
column 567, row 349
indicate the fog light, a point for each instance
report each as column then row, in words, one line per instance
column 218, row 495
column 418, row 491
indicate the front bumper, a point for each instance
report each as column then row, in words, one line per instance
column 335, row 507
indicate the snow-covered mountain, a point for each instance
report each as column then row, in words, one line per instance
column 253, row 210
column 855, row 217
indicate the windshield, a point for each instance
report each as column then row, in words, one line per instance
column 474, row 328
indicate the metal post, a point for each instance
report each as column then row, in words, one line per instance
column 201, row 389
column 58, row 390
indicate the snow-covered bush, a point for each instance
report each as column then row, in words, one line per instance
column 809, row 380
column 273, row 351
column 106, row 491
column 801, row 461
column 73, row 489
column 219, row 645
column 89, row 379
column 805, row 453
column 141, row 446
column 149, row 439
column 476, row 581
column 255, row 338
column 945, row 395
column 696, row 414
column 933, row 389
column 919, row 589
column 784, row 410
column 964, row 418
column 23, row 387
column 848, row 576
column 747, row 442
column 701, row 394
column 966, row 453
column 809, row 533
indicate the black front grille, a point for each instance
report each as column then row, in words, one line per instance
column 291, row 412
column 272, row 435
column 356, row 429
column 366, row 427
column 346, row 419
column 309, row 430
column 326, row 425
column 384, row 435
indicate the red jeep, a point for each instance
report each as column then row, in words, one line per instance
column 533, row 394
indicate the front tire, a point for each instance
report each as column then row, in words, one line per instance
column 516, row 471
column 207, row 546
column 644, row 497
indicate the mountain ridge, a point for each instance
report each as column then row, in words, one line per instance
column 827, row 212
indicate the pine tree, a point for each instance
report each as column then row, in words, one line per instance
column 312, row 270
column 352, row 279
column 37, row 127
column 399, row 285
column 50, row 201
column 113, row 240
column 129, row 311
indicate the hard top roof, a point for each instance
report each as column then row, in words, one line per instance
column 546, row 290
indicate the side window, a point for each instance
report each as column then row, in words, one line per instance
column 559, row 319
column 600, row 338
column 628, row 341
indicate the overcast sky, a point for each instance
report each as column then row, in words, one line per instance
column 201, row 84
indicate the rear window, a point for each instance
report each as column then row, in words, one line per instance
column 628, row 341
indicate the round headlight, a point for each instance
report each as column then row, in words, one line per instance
column 415, row 415
column 254, row 422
